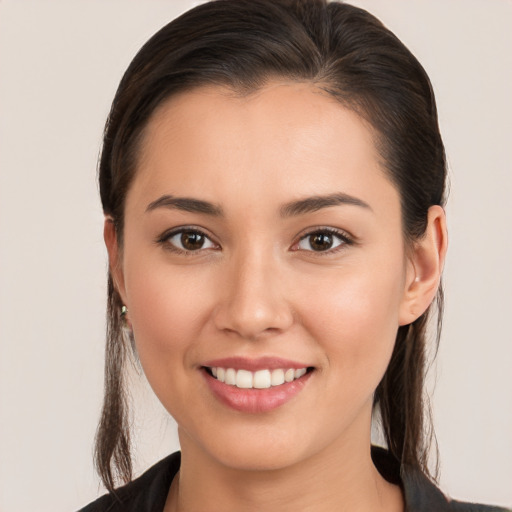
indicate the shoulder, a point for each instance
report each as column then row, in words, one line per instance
column 459, row 506
column 421, row 494
column 147, row 493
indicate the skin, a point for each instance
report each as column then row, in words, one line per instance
column 258, row 289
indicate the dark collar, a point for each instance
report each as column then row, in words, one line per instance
column 420, row 494
column 148, row 492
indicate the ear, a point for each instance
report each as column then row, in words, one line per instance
column 424, row 268
column 114, row 256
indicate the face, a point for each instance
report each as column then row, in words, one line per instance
column 263, row 243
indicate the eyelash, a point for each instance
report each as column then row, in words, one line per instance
column 165, row 238
column 344, row 238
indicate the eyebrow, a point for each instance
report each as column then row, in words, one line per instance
column 294, row 208
column 315, row 203
column 186, row 204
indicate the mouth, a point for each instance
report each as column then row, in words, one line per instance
column 260, row 379
column 255, row 386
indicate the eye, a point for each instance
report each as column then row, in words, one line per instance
column 187, row 240
column 322, row 240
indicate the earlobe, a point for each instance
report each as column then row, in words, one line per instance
column 114, row 256
column 425, row 267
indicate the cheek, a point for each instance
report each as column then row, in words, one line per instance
column 354, row 315
column 167, row 312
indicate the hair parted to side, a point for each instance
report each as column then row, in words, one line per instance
column 243, row 44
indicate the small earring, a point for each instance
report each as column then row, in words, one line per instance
column 125, row 321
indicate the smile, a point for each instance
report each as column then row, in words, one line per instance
column 257, row 385
column 261, row 379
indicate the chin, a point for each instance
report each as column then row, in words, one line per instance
column 255, row 449
column 257, row 458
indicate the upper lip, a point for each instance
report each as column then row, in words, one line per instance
column 260, row 363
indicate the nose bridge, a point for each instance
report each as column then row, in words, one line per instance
column 254, row 302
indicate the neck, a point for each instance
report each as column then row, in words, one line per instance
column 342, row 479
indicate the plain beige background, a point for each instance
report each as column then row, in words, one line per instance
column 60, row 62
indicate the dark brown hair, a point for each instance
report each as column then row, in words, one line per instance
column 242, row 44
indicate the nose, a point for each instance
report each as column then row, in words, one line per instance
column 253, row 302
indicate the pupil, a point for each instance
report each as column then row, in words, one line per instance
column 192, row 240
column 321, row 241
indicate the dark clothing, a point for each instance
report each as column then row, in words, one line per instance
column 148, row 493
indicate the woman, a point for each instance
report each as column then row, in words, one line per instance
column 273, row 179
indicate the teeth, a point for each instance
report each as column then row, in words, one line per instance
column 277, row 378
column 230, row 377
column 262, row 379
column 300, row 373
column 243, row 379
column 289, row 375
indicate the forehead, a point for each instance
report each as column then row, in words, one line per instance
column 289, row 138
column 295, row 111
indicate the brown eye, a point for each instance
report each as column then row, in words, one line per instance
column 320, row 241
column 325, row 240
column 192, row 240
column 187, row 240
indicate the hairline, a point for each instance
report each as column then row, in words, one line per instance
column 244, row 91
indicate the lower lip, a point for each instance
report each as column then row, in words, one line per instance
column 255, row 400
